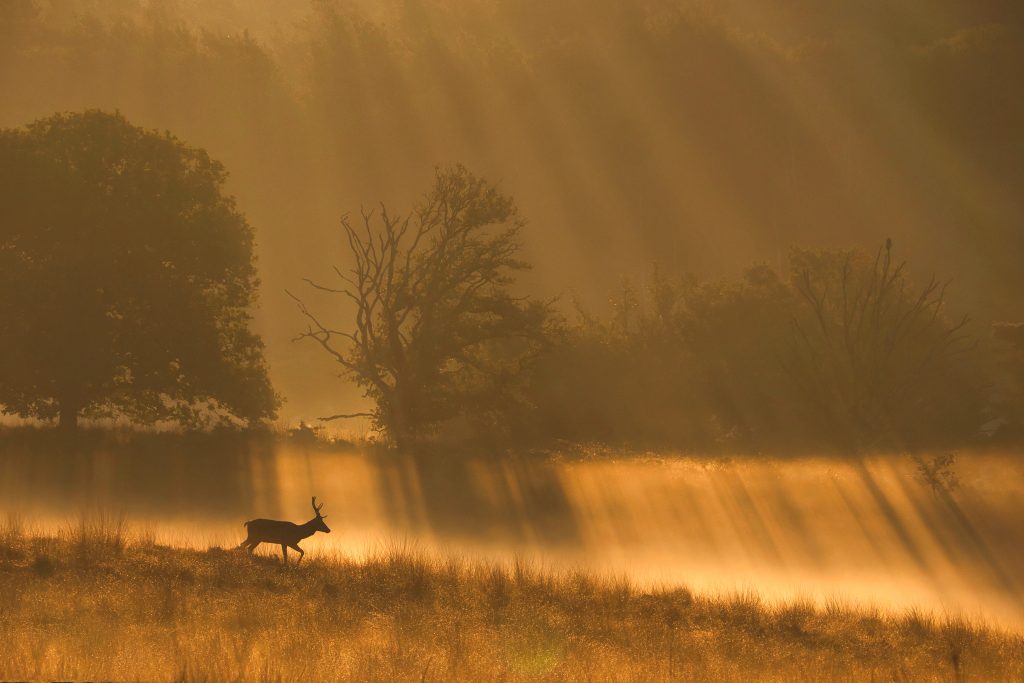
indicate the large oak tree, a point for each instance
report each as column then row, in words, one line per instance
column 126, row 279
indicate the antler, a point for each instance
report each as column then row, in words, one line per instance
column 318, row 508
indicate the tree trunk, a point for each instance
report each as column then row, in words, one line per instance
column 68, row 416
column 398, row 420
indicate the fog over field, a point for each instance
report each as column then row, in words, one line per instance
column 863, row 535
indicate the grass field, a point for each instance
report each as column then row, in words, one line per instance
column 94, row 604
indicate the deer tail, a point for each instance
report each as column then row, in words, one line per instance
column 246, row 523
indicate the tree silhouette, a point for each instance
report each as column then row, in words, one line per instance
column 126, row 278
column 438, row 333
column 876, row 356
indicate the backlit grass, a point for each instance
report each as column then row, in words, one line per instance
column 91, row 604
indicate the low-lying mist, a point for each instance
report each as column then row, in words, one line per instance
column 888, row 531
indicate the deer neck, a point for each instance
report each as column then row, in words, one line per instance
column 309, row 528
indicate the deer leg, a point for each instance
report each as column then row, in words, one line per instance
column 295, row 546
column 251, row 545
column 284, row 552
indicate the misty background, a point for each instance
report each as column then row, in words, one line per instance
column 703, row 137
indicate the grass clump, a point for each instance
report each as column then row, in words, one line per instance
column 12, row 536
column 97, row 536
column 141, row 611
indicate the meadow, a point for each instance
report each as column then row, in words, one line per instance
column 96, row 601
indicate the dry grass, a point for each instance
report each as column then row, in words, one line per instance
column 90, row 605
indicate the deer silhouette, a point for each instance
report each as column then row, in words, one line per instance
column 288, row 534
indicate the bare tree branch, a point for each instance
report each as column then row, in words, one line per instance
column 429, row 288
column 345, row 416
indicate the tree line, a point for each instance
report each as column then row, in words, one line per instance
column 841, row 349
column 128, row 280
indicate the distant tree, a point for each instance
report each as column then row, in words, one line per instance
column 876, row 357
column 623, row 377
column 126, row 278
column 438, row 333
column 846, row 353
column 736, row 332
column 679, row 362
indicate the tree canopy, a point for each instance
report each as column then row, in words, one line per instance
column 840, row 351
column 126, row 278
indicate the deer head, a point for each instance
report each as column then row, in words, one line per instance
column 318, row 521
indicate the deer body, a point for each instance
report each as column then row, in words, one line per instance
column 286, row 534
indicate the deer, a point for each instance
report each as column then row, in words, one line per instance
column 288, row 534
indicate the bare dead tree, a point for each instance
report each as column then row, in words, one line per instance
column 431, row 297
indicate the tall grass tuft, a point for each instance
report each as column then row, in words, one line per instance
column 97, row 535
column 12, row 535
